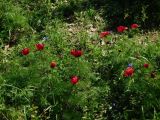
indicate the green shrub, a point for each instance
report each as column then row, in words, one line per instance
column 31, row 89
column 31, row 81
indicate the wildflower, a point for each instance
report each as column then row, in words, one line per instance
column 74, row 80
column 146, row 65
column 130, row 65
column 128, row 72
column 121, row 28
column 104, row 34
column 53, row 64
column 134, row 26
column 25, row 51
column 76, row 53
column 40, row 46
column 45, row 38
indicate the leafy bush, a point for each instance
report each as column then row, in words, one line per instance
column 120, row 12
column 116, row 12
column 31, row 81
column 13, row 22
column 58, row 65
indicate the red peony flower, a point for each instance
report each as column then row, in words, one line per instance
column 74, row 80
column 25, row 51
column 53, row 64
column 76, row 53
column 121, row 28
column 146, row 65
column 40, row 46
column 72, row 52
column 134, row 26
column 128, row 72
column 104, row 34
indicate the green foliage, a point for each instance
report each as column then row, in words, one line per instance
column 119, row 12
column 31, row 89
column 13, row 22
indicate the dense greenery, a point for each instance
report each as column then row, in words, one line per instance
column 33, row 89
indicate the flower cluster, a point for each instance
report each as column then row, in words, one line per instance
column 123, row 28
column 39, row 47
column 129, row 71
column 120, row 29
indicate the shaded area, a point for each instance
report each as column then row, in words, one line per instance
column 117, row 12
